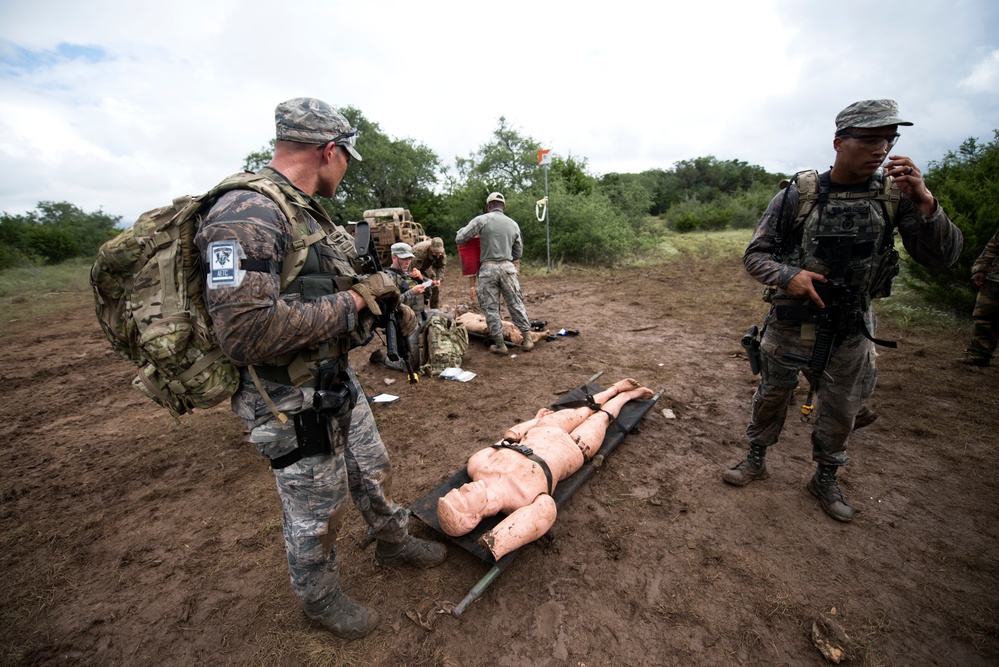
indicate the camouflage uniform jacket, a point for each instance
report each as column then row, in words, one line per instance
column 254, row 321
column 933, row 241
column 424, row 260
column 258, row 323
column 405, row 282
column 986, row 262
column 499, row 237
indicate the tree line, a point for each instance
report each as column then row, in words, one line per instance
column 594, row 220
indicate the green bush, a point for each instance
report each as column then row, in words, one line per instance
column 966, row 184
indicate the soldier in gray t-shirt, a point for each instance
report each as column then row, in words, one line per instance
column 500, row 244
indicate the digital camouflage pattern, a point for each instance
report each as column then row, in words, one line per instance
column 311, row 121
column 869, row 113
column 431, row 266
column 985, row 332
column 405, row 282
column 496, row 279
column 933, row 241
column 986, row 262
column 499, row 244
column 311, row 319
column 499, row 236
column 314, row 494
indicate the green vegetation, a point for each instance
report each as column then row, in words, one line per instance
column 52, row 233
column 594, row 221
column 32, row 290
column 966, row 183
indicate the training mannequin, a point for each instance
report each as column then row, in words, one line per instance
column 505, row 479
column 476, row 323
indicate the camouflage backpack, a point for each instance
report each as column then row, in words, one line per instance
column 148, row 287
column 444, row 344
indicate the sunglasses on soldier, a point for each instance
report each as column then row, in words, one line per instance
column 346, row 141
column 873, row 141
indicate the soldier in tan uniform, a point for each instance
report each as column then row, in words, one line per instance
column 861, row 206
column 430, row 260
column 301, row 402
column 985, row 333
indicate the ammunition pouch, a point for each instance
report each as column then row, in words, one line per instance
column 884, row 273
column 314, row 286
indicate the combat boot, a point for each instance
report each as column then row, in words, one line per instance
column 499, row 346
column 345, row 617
column 528, row 343
column 865, row 417
column 823, row 486
column 751, row 468
column 421, row 553
column 970, row 360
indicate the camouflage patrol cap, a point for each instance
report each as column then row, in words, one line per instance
column 402, row 250
column 311, row 121
column 437, row 243
column 869, row 113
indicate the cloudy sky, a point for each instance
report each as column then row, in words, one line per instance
column 122, row 105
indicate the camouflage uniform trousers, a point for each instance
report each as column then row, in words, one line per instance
column 495, row 279
column 985, row 332
column 434, row 273
column 846, row 381
column 314, row 490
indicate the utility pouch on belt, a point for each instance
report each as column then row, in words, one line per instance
column 331, row 404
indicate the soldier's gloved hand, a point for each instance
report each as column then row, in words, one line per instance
column 408, row 324
column 378, row 286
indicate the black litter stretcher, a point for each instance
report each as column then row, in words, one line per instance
column 425, row 508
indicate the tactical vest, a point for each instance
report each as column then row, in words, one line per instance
column 322, row 262
column 867, row 217
column 406, row 282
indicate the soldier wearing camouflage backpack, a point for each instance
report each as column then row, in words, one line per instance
column 301, row 402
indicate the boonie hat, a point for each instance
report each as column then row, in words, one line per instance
column 495, row 196
column 311, row 121
column 437, row 243
column 402, row 250
column 869, row 113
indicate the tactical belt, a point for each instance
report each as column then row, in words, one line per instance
column 529, row 453
column 281, row 374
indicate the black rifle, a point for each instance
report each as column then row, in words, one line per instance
column 397, row 345
column 842, row 313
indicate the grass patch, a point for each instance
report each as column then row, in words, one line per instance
column 725, row 244
column 34, row 291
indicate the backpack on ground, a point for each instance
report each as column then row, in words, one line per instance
column 444, row 344
column 148, row 287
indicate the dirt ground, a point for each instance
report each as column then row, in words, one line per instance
column 132, row 539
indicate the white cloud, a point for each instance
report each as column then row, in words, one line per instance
column 174, row 96
column 984, row 77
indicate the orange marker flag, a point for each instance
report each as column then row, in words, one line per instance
column 544, row 157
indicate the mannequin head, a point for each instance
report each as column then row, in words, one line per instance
column 461, row 509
